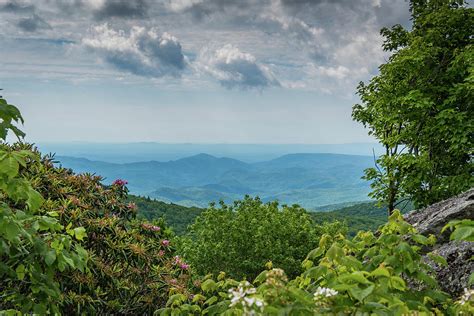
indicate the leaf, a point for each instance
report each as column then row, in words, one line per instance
column 35, row 200
column 20, row 272
column 9, row 166
column 11, row 231
column 175, row 299
column 463, row 233
column 421, row 239
column 380, row 272
column 397, row 283
column 80, row 233
column 438, row 259
column 211, row 300
column 356, row 276
column 261, row 277
column 361, row 294
column 335, row 252
column 209, row 285
column 50, row 257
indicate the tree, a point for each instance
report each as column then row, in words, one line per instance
column 420, row 106
column 242, row 238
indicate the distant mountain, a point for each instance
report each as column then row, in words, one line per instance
column 146, row 151
column 310, row 180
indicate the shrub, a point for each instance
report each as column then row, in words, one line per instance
column 240, row 239
column 370, row 274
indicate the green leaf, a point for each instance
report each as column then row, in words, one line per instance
column 380, row 272
column 11, row 231
column 361, row 294
column 9, row 166
column 356, row 276
column 397, row 283
column 209, row 285
column 80, row 233
column 211, row 300
column 463, row 233
column 50, row 257
column 20, row 272
column 438, row 259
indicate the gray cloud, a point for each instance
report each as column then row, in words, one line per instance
column 122, row 9
column 33, row 24
column 15, row 7
column 233, row 68
column 142, row 52
column 318, row 44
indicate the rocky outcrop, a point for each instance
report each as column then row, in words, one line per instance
column 430, row 220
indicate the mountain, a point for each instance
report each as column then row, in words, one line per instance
column 310, row 180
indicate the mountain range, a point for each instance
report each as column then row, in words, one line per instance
column 311, row 180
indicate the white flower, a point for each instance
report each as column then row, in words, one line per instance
column 241, row 296
column 322, row 292
column 466, row 297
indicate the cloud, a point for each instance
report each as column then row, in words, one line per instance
column 15, row 7
column 233, row 68
column 33, row 24
column 142, row 52
column 119, row 9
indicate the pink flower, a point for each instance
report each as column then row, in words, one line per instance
column 165, row 242
column 151, row 227
column 184, row 266
column 161, row 253
column 177, row 260
column 120, row 182
column 132, row 206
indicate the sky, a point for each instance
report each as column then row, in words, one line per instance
column 192, row 71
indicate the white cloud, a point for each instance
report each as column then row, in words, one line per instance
column 233, row 68
column 141, row 52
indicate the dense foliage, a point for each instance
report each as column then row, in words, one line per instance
column 69, row 243
column 357, row 217
column 178, row 217
column 381, row 274
column 241, row 238
column 420, row 106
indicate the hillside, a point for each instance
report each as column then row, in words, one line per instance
column 310, row 180
column 359, row 216
column 176, row 216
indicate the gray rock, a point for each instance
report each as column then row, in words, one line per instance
column 431, row 220
column 454, row 277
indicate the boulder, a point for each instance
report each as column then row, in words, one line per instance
column 430, row 220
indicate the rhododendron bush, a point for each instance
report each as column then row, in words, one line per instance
column 69, row 244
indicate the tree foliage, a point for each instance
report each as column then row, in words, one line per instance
column 370, row 274
column 420, row 106
column 240, row 239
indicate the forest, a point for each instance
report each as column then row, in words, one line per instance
column 72, row 245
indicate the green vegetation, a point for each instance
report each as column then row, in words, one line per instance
column 240, row 239
column 369, row 274
column 69, row 244
column 357, row 217
column 420, row 106
column 176, row 216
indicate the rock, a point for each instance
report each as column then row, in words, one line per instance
column 454, row 277
column 430, row 220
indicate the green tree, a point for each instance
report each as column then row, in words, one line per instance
column 420, row 106
column 242, row 238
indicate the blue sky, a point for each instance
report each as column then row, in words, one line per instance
column 205, row 71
